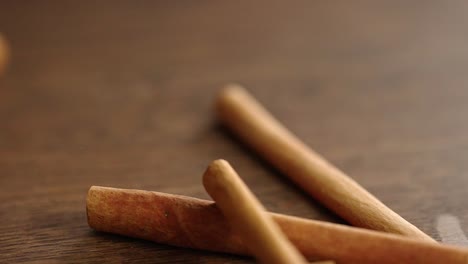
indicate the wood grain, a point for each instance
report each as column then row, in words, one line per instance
column 120, row 93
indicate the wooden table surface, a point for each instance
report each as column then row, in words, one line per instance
column 121, row 94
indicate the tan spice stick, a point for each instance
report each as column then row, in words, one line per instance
column 248, row 217
column 238, row 110
column 3, row 54
column 194, row 223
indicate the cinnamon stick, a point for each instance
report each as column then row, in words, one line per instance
column 195, row 223
column 3, row 54
column 252, row 123
column 247, row 216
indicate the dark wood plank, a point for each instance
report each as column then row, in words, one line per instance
column 120, row 94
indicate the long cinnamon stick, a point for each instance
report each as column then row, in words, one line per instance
column 194, row 223
column 249, row 120
column 247, row 216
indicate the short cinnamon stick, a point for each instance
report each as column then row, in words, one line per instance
column 247, row 216
column 249, row 120
column 194, row 223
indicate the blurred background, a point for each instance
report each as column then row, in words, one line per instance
column 120, row 93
